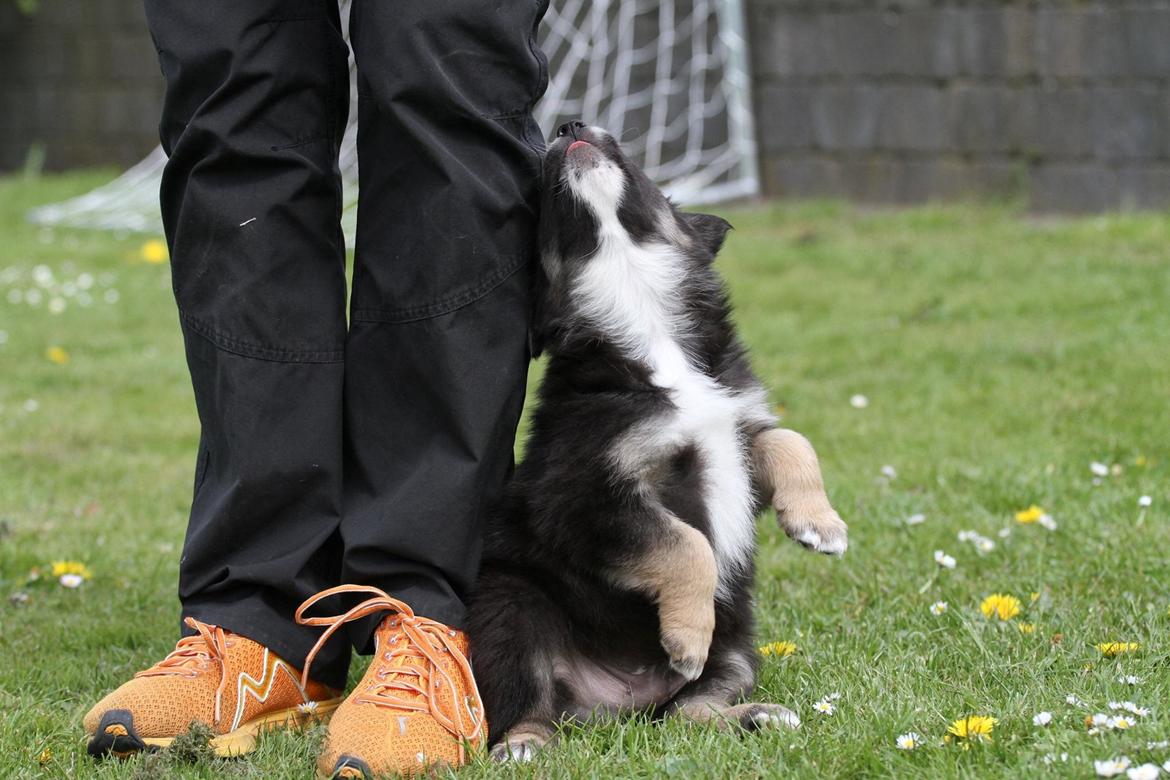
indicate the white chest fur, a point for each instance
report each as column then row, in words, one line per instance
column 630, row 292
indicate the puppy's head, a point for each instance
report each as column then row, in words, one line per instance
column 593, row 193
column 594, row 197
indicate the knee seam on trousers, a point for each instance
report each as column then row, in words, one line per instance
column 453, row 302
column 244, row 349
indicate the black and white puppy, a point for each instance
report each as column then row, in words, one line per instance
column 618, row 570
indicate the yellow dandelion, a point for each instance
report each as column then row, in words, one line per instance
column 973, row 728
column 154, row 251
column 61, row 568
column 1026, row 628
column 1112, row 649
column 57, row 355
column 1030, row 515
column 778, row 649
column 45, row 757
column 1000, row 605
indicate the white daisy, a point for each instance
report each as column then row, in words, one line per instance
column 984, row 545
column 938, row 607
column 1099, row 469
column 825, row 707
column 1111, row 767
column 966, row 536
column 858, row 401
column 1048, row 522
column 1161, row 744
column 1121, row 722
column 71, row 580
column 909, row 741
column 1004, row 533
column 1100, row 719
column 31, row 405
column 1129, row 679
column 1145, row 501
column 889, row 472
column 1143, row 772
column 1074, row 700
column 917, row 519
column 1042, row 719
column 944, row 560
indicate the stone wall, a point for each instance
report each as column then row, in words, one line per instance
column 1063, row 103
column 80, row 79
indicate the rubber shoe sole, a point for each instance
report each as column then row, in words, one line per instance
column 116, row 736
column 349, row 768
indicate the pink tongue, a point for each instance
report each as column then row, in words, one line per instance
column 576, row 144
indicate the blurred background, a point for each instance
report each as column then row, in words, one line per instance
column 1063, row 105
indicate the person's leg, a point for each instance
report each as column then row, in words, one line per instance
column 437, row 353
column 256, row 101
column 257, row 97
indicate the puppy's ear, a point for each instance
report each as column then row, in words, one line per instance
column 709, row 229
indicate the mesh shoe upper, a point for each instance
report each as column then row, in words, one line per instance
column 417, row 703
column 216, row 677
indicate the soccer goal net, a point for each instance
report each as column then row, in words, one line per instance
column 668, row 78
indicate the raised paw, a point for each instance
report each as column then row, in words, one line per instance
column 817, row 526
column 686, row 645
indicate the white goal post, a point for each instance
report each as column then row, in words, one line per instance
column 669, row 78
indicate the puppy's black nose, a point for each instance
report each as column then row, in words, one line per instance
column 570, row 128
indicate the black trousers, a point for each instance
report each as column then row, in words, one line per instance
column 363, row 452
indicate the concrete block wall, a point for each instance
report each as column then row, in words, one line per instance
column 79, row 78
column 1063, row 102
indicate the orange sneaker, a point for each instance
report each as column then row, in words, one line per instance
column 417, row 705
column 234, row 685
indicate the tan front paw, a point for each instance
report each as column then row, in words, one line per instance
column 687, row 645
column 816, row 525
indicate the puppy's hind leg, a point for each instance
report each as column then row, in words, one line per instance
column 788, row 475
column 729, row 676
column 515, row 633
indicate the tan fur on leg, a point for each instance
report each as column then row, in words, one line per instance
column 680, row 575
column 750, row 716
column 786, row 468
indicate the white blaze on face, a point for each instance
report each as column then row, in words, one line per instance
column 595, row 180
column 631, row 292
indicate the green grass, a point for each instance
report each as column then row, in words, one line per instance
column 1001, row 355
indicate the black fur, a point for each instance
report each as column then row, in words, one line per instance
column 569, row 521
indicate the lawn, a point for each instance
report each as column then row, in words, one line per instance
column 999, row 357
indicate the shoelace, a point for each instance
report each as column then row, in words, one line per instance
column 192, row 653
column 409, row 686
